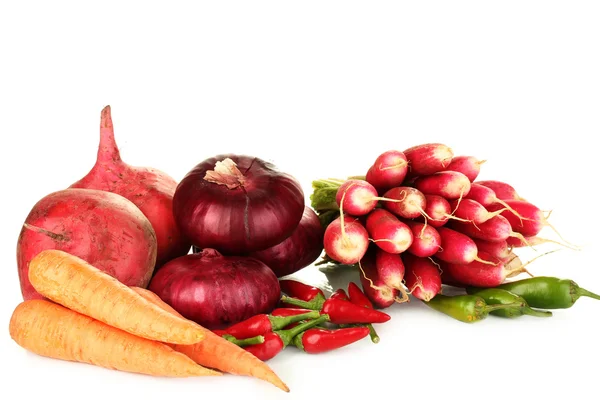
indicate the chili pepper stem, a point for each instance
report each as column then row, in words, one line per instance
column 582, row 292
column 288, row 335
column 373, row 334
column 245, row 342
column 536, row 313
column 278, row 323
column 301, row 303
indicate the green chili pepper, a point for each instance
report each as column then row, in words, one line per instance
column 548, row 292
column 501, row 296
column 466, row 308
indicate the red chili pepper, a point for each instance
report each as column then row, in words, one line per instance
column 339, row 294
column 341, row 311
column 358, row 297
column 316, row 340
column 264, row 323
column 276, row 341
column 301, row 290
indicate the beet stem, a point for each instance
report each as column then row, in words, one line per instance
column 107, row 150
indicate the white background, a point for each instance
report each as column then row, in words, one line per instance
column 320, row 88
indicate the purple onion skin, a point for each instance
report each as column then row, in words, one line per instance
column 258, row 215
column 217, row 291
column 299, row 250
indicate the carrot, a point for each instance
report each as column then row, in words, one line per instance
column 72, row 282
column 51, row 330
column 219, row 353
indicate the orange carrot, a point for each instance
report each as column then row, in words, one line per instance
column 51, row 330
column 216, row 352
column 79, row 286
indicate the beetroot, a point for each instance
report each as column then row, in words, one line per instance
column 299, row 250
column 217, row 291
column 103, row 228
column 149, row 189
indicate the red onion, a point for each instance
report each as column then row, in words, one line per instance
column 299, row 250
column 237, row 204
column 217, row 291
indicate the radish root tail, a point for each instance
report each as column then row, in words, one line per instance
column 481, row 260
column 523, row 268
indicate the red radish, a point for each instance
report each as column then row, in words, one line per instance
column 479, row 274
column 149, row 189
column 381, row 295
column 468, row 165
column 503, row 190
column 532, row 219
column 409, row 202
column 388, row 170
column 346, row 240
column 448, row 184
column 470, row 210
column 357, row 197
column 299, row 250
column 457, row 248
column 102, row 228
column 217, row 291
column 388, row 232
column 487, row 197
column 391, row 271
column 237, row 204
column 422, row 277
column 438, row 209
column 497, row 249
column 496, row 229
column 429, row 158
column 426, row 239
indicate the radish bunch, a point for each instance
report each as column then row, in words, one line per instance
column 420, row 218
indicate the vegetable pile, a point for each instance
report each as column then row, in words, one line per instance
column 130, row 270
column 419, row 219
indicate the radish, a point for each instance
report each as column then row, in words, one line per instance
column 532, row 219
column 429, row 158
column 438, row 210
column 503, row 190
column 150, row 190
column 448, row 184
column 490, row 273
column 487, row 198
column 388, row 232
column 496, row 229
column 381, row 295
column 357, row 197
column 456, row 248
column 470, row 210
column 422, row 277
column 468, row 165
column 346, row 240
column 410, row 202
column 388, row 170
column 426, row 239
column 390, row 269
column 497, row 249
